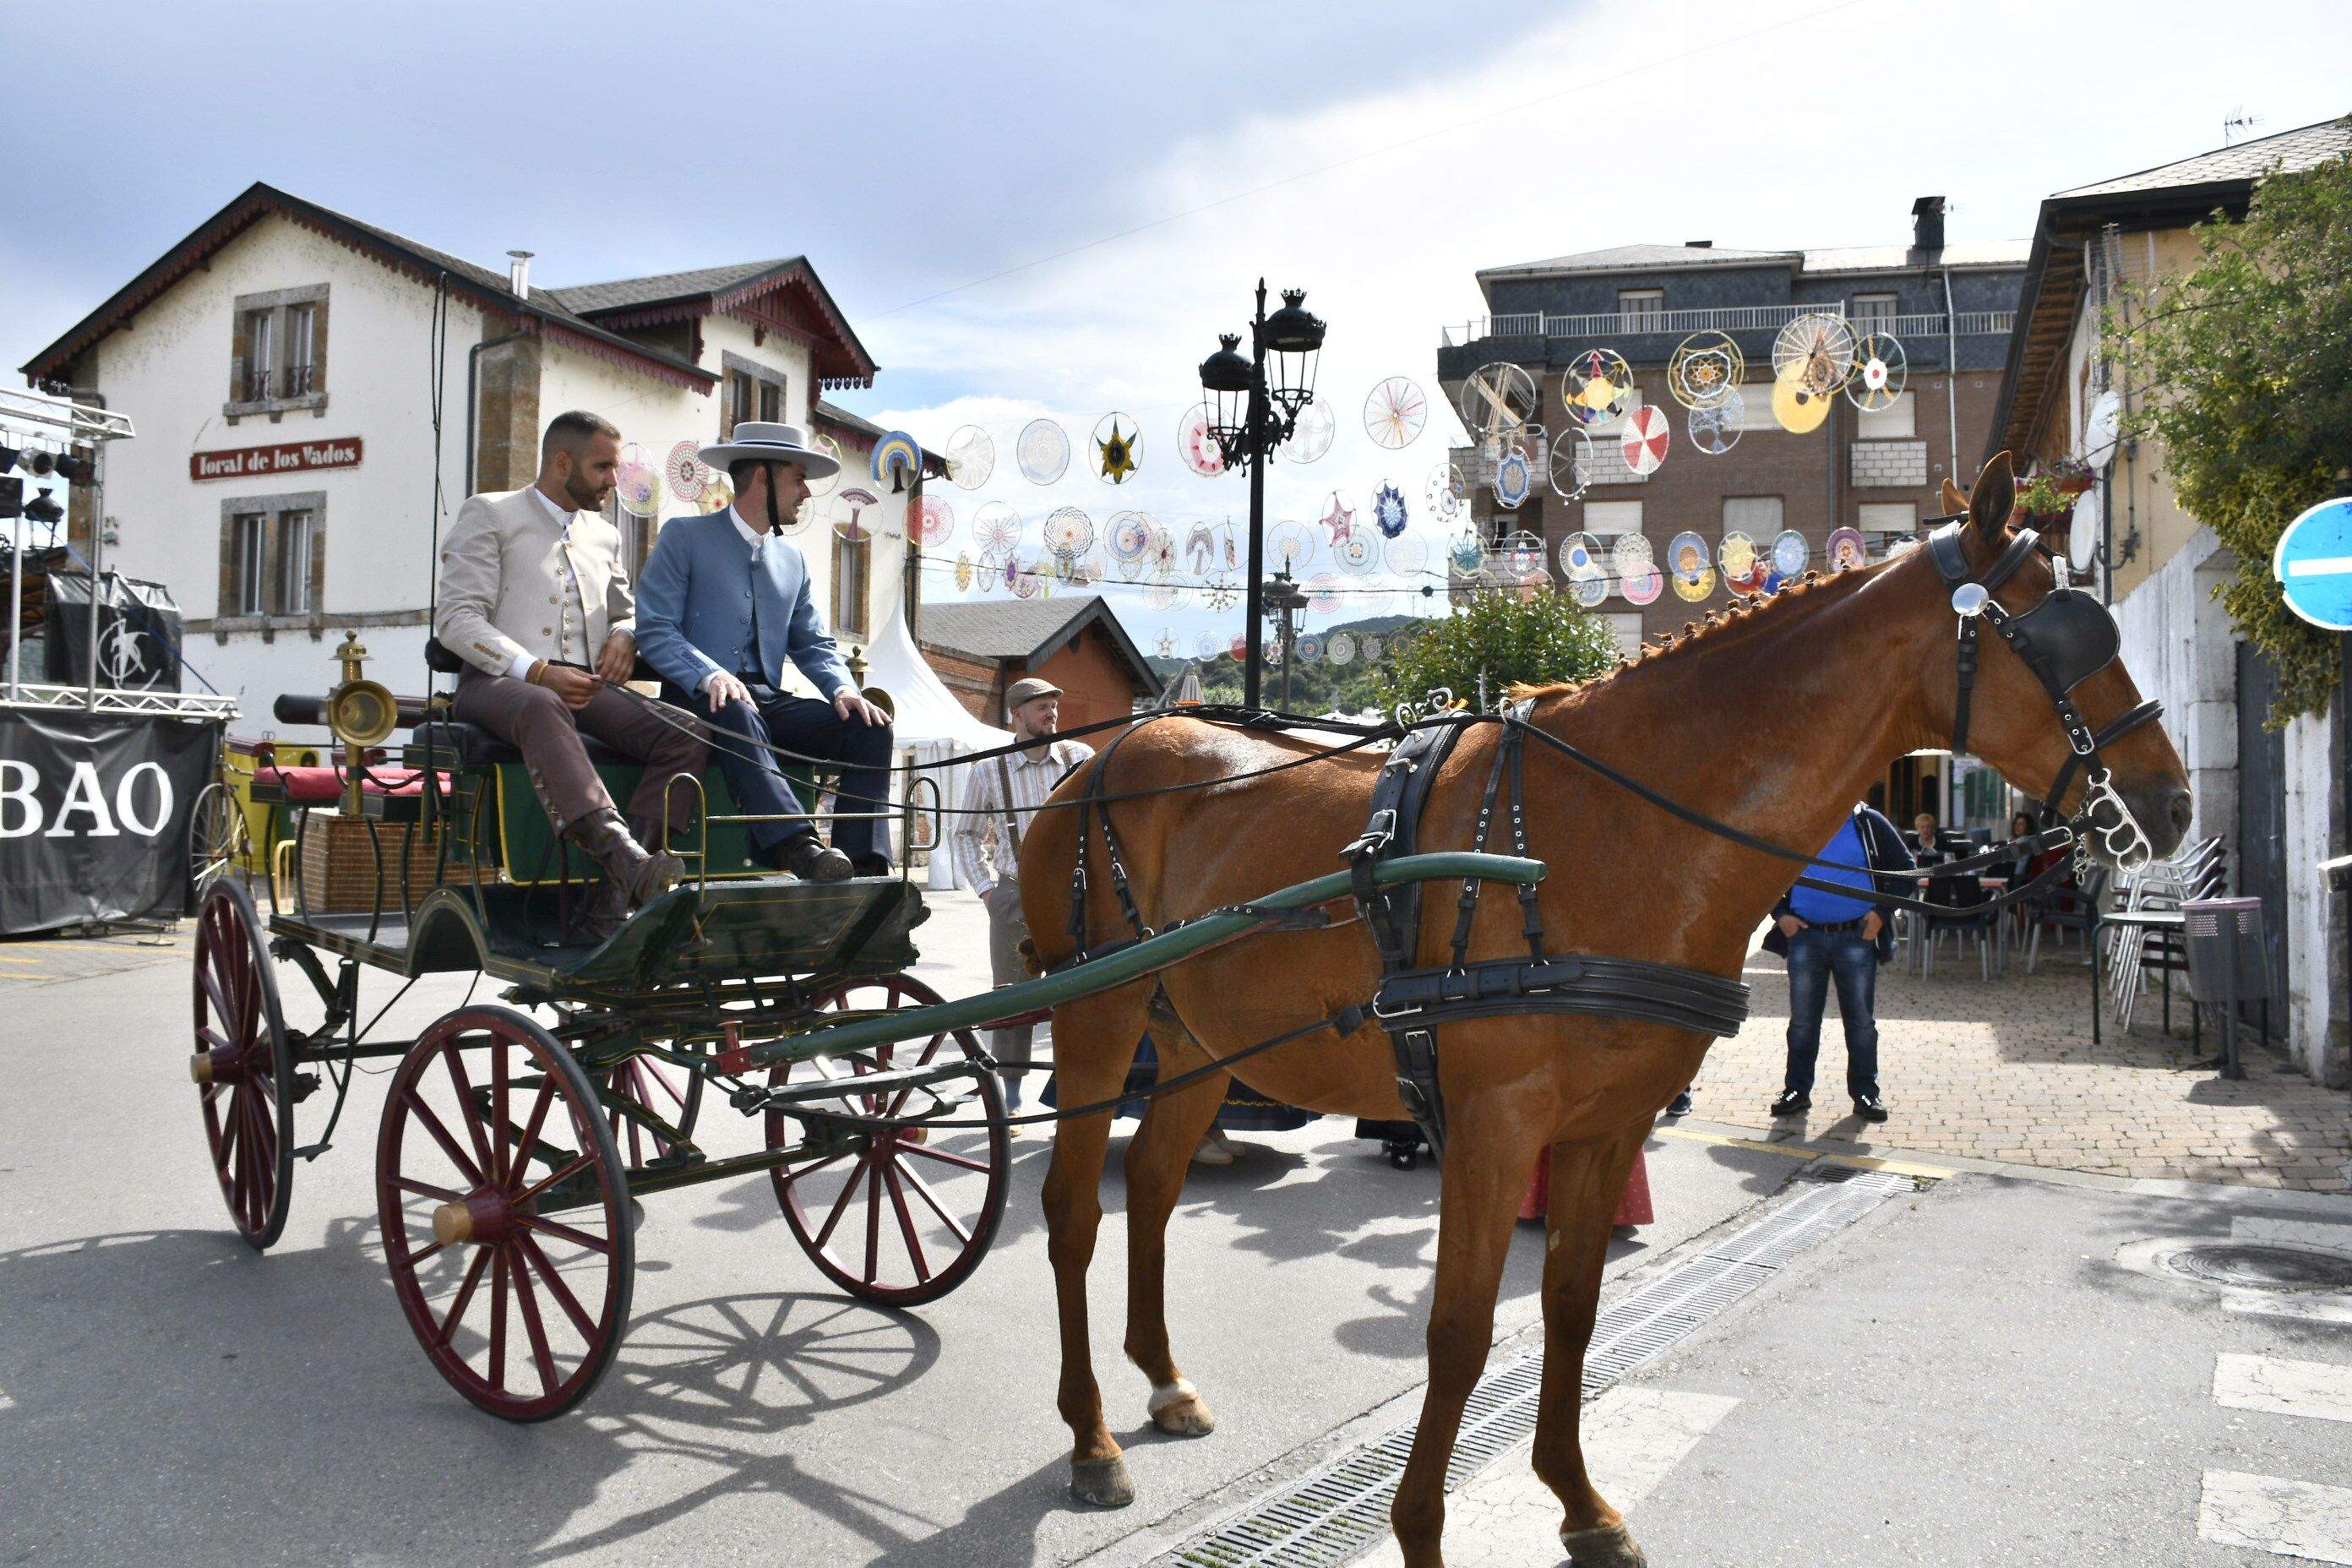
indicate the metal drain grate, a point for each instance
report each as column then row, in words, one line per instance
column 1339, row 1509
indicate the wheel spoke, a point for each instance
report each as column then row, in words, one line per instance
column 472, row 1113
column 498, row 1111
column 923, row 1191
column 498, row 1318
column 873, row 1220
column 521, row 1161
column 432, row 1123
column 906, row 1222
column 964, row 1162
column 576, row 1237
column 811, row 1170
column 582, row 1163
column 464, row 1295
column 849, row 1191
column 556, row 1288
column 426, row 1190
column 528, row 1300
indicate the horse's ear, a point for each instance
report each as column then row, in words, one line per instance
column 1955, row 503
column 1994, row 497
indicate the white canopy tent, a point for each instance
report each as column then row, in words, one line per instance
column 930, row 726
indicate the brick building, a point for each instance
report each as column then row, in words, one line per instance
column 982, row 648
column 1947, row 305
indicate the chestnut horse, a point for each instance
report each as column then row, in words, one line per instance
column 1774, row 718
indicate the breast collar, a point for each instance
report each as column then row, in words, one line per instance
column 2064, row 640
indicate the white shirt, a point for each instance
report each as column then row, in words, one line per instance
column 983, row 852
column 572, row 626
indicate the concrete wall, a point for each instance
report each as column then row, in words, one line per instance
column 169, row 369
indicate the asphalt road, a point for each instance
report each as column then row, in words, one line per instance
column 168, row 1396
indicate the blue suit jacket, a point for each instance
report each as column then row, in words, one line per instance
column 695, row 600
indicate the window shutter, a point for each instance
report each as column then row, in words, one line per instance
column 240, row 349
column 318, row 348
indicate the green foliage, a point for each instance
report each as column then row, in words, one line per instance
column 2248, row 361
column 1506, row 638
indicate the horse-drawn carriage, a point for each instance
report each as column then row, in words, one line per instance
column 513, row 1148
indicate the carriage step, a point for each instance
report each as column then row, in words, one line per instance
column 871, row 1083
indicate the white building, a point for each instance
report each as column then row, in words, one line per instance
column 287, row 366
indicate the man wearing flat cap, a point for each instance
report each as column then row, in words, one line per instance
column 1000, row 798
column 724, row 603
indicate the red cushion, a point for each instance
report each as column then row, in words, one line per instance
column 308, row 786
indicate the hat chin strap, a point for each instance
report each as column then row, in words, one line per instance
column 775, row 523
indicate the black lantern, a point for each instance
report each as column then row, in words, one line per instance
column 1295, row 340
column 43, row 509
column 1225, row 377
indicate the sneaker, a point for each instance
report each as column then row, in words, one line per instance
column 1870, row 1108
column 1216, row 1149
column 1792, row 1103
column 1680, row 1105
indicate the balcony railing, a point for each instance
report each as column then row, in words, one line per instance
column 256, row 386
column 1732, row 319
column 298, row 380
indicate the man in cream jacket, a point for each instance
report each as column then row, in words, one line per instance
column 535, row 597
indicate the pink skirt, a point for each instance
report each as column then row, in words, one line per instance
column 1632, row 1209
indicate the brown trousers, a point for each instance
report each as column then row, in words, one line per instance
column 534, row 721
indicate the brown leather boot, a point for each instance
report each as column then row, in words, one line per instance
column 632, row 874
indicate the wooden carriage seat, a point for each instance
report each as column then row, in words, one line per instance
column 514, row 833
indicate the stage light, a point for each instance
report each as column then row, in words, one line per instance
column 8, row 456
column 42, row 509
column 75, row 468
column 39, row 462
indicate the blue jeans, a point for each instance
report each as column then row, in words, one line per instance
column 1815, row 957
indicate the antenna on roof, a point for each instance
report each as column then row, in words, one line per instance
column 2238, row 122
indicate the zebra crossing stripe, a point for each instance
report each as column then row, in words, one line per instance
column 2296, row 1519
column 2311, row 1388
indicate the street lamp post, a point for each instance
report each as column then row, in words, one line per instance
column 1250, row 416
column 1287, row 601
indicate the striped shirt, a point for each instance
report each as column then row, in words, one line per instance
column 984, row 854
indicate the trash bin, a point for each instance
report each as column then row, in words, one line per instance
column 2227, row 964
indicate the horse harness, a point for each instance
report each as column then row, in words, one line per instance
column 2064, row 640
column 1413, row 1001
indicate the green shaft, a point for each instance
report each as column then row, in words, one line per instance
column 1130, row 962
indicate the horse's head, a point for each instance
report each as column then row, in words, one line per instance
column 2057, row 642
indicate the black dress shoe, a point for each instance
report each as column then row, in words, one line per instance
column 1792, row 1103
column 1680, row 1105
column 871, row 865
column 812, row 861
column 1870, row 1108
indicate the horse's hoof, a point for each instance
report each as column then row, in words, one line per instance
column 1102, row 1483
column 1179, row 1409
column 1611, row 1546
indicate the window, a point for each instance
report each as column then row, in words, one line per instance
column 738, row 403
column 771, row 401
column 1899, row 421
column 1606, row 519
column 301, row 327
column 849, row 585
column 260, row 355
column 1873, row 312
column 293, row 563
column 1884, row 521
column 754, row 391
column 1646, row 307
column 279, row 358
column 1757, row 517
column 249, row 533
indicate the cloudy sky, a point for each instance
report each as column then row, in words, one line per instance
column 1051, row 210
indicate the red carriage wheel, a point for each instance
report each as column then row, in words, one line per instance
column 243, row 1066
column 899, row 1218
column 671, row 1094
column 505, row 1211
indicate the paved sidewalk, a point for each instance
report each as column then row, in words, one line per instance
column 2005, row 1071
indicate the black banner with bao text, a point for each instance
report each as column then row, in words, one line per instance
column 94, row 815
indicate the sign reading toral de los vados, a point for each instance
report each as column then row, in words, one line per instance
column 263, row 462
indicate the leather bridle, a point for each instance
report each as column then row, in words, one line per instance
column 2064, row 640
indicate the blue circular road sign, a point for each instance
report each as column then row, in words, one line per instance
column 2314, row 565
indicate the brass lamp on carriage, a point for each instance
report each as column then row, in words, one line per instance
column 361, row 713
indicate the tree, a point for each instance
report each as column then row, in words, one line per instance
column 2248, row 362
column 1506, row 639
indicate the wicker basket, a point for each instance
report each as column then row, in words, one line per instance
column 340, row 860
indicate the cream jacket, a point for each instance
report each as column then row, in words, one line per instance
column 502, row 592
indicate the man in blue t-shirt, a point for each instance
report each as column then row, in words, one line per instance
column 1831, row 936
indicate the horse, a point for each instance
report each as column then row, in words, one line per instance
column 1774, row 717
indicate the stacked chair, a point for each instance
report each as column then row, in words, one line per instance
column 2134, row 951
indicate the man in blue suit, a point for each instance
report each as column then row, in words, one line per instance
column 722, row 603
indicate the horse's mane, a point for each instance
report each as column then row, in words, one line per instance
column 1715, row 629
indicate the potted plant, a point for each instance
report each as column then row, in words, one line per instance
column 2072, row 475
column 2043, row 501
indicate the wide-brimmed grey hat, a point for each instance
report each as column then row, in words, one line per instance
column 1028, row 690
column 756, row 441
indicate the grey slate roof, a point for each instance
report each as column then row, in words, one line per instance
column 622, row 293
column 1641, row 257
column 1844, row 258
column 2305, row 147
